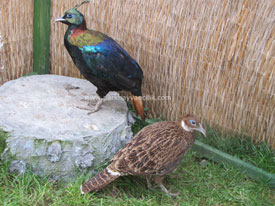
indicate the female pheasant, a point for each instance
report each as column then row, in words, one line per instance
column 154, row 152
column 101, row 60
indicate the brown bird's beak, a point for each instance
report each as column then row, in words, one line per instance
column 202, row 130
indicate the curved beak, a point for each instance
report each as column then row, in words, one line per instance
column 202, row 130
column 60, row 19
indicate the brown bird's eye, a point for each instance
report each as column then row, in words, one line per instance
column 192, row 122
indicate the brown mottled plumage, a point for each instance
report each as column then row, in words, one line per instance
column 155, row 151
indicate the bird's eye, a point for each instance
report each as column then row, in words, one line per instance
column 192, row 122
column 69, row 16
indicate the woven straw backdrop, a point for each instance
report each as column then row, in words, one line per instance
column 16, row 37
column 214, row 58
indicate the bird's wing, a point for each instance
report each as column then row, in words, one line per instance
column 156, row 149
column 109, row 60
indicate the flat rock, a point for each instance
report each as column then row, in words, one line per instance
column 51, row 135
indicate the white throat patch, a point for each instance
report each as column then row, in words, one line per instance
column 185, row 127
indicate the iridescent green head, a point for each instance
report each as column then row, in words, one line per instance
column 71, row 17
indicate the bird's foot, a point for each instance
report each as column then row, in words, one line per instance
column 91, row 102
column 167, row 192
column 92, row 109
column 173, row 194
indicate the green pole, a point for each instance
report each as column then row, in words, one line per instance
column 41, row 36
column 226, row 159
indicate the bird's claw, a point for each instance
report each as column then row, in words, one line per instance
column 173, row 194
column 167, row 192
column 69, row 87
column 89, row 100
column 91, row 110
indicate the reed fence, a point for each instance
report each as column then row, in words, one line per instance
column 16, row 37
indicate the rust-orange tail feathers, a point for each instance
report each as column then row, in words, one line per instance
column 98, row 182
column 138, row 106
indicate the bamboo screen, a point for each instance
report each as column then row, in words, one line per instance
column 16, row 37
column 214, row 58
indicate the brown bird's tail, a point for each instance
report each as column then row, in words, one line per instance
column 101, row 180
column 138, row 106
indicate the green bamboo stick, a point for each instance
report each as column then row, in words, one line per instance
column 41, row 36
column 226, row 159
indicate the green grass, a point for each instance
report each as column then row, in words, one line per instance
column 212, row 184
column 3, row 137
column 241, row 146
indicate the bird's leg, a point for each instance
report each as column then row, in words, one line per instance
column 158, row 180
column 148, row 180
column 97, row 106
column 91, row 108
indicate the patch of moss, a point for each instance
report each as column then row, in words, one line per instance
column 64, row 143
column 39, row 143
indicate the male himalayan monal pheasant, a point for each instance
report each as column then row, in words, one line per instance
column 101, row 60
column 155, row 151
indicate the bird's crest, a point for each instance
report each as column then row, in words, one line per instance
column 83, row 2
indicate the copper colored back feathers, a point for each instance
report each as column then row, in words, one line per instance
column 155, row 151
